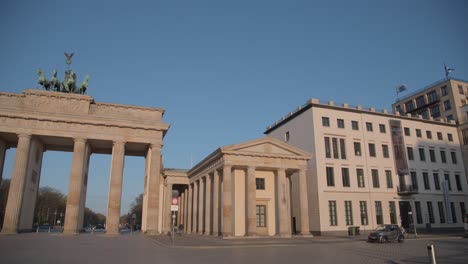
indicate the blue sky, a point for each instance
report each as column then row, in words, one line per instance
column 224, row 70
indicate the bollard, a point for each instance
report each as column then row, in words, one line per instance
column 431, row 254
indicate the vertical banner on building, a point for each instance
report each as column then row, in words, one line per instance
column 448, row 208
column 401, row 163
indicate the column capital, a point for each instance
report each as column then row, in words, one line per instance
column 24, row 135
column 155, row 144
column 80, row 139
column 119, row 142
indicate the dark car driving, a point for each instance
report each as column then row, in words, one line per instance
column 385, row 233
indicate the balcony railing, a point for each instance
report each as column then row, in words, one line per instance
column 407, row 189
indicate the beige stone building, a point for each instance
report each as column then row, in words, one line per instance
column 371, row 167
column 36, row 121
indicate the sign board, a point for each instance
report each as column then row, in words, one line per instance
column 174, row 208
column 175, row 201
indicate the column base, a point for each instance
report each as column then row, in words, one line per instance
column 285, row 235
column 9, row 232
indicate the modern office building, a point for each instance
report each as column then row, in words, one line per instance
column 371, row 167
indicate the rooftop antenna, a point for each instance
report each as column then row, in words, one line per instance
column 400, row 88
column 448, row 70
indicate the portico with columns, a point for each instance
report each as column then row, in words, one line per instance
column 36, row 121
column 246, row 190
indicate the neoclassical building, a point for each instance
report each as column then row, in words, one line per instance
column 36, row 121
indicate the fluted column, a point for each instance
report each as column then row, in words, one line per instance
column 16, row 192
column 189, row 209
column 303, row 201
column 168, row 213
column 283, row 204
column 115, row 188
column 195, row 207
column 201, row 191
column 251, row 202
column 3, row 148
column 150, row 221
column 181, row 211
column 75, row 189
column 208, row 205
column 228, row 209
column 215, row 203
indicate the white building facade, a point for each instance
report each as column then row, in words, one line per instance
column 370, row 167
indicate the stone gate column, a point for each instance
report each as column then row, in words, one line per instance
column 181, row 211
column 115, row 188
column 304, row 204
column 251, row 202
column 228, row 209
column 75, row 207
column 201, row 192
column 215, row 203
column 189, row 209
column 151, row 195
column 195, row 207
column 283, row 204
column 3, row 148
column 208, row 205
column 15, row 195
column 167, row 211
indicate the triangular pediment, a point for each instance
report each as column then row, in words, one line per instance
column 266, row 146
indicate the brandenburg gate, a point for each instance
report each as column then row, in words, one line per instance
column 36, row 121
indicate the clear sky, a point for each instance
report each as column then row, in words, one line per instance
column 224, row 70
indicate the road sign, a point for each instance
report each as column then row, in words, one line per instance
column 174, row 208
column 175, row 201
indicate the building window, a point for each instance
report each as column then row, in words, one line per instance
column 432, row 97
column 335, row 148
column 372, row 150
column 454, row 157
column 424, row 113
column 342, row 148
column 427, row 185
column 327, row 147
column 462, row 209
column 435, row 111
column 430, row 212
column 429, row 134
column 463, row 102
column 458, row 182
column 450, row 118
column 450, row 137
column 388, row 175
column 369, row 126
column 443, row 90
column 442, row 156
column 454, row 214
column 340, row 123
column 382, row 128
column 393, row 215
column 432, row 155
column 378, row 212
column 407, row 131
column 409, row 106
column 440, row 205
column 420, row 101
column 349, row 213
column 465, row 135
column 447, row 105
column 385, row 151
column 260, row 183
column 447, row 181
column 355, row 125
column 360, row 178
column 409, row 150
column 375, row 178
column 261, row 215
column 332, row 212
column 422, row 154
column 357, row 148
column 330, row 177
column 325, row 121
column 345, row 177
column 286, row 136
column 418, row 133
column 439, row 136
column 419, row 219
column 436, row 181
column 460, row 89
column 414, row 180
column 363, row 207
column 398, row 109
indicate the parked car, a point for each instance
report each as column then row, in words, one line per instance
column 385, row 233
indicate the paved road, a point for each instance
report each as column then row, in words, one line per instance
column 87, row 248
